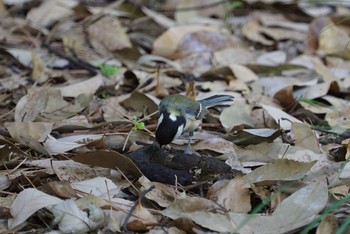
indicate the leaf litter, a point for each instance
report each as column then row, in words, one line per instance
column 80, row 84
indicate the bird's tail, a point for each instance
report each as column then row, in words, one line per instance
column 216, row 100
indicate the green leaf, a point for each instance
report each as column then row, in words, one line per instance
column 236, row 4
column 140, row 126
column 109, row 70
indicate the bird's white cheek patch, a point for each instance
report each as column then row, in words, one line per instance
column 179, row 132
column 172, row 117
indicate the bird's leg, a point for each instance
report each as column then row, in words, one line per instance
column 188, row 149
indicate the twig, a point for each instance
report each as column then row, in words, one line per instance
column 75, row 61
column 132, row 209
column 198, row 7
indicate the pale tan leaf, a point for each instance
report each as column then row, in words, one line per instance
column 31, row 105
column 243, row 73
column 50, row 11
column 233, row 195
column 233, row 55
column 305, row 137
column 251, row 30
column 31, row 130
column 162, row 194
column 167, row 43
column 230, row 117
column 292, row 207
column 89, row 86
column 109, row 33
column 38, row 70
column 281, row 169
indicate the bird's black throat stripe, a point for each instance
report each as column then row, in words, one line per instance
column 168, row 128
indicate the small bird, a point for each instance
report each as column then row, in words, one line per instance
column 180, row 114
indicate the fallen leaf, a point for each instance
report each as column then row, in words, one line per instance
column 20, row 209
column 71, row 219
column 282, row 118
column 109, row 33
column 89, row 86
column 98, row 186
column 31, row 105
column 230, row 117
column 37, row 131
column 233, row 195
column 167, row 43
column 251, row 30
column 281, row 169
column 292, row 207
column 112, row 160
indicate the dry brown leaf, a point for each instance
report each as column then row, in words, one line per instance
column 141, row 217
column 109, row 33
column 305, row 137
column 162, row 194
column 37, row 131
column 30, row 105
column 233, row 195
column 328, row 224
column 215, row 144
column 60, row 188
column 251, row 30
column 112, row 160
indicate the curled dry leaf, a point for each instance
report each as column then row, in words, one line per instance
column 71, row 219
column 29, row 106
column 251, row 30
column 283, row 119
column 20, row 209
column 162, row 194
column 50, row 11
column 140, row 219
column 233, row 195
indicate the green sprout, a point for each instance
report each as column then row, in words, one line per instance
column 138, row 125
column 108, row 70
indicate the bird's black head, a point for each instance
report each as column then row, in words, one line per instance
column 169, row 127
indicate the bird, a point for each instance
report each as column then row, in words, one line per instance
column 180, row 114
